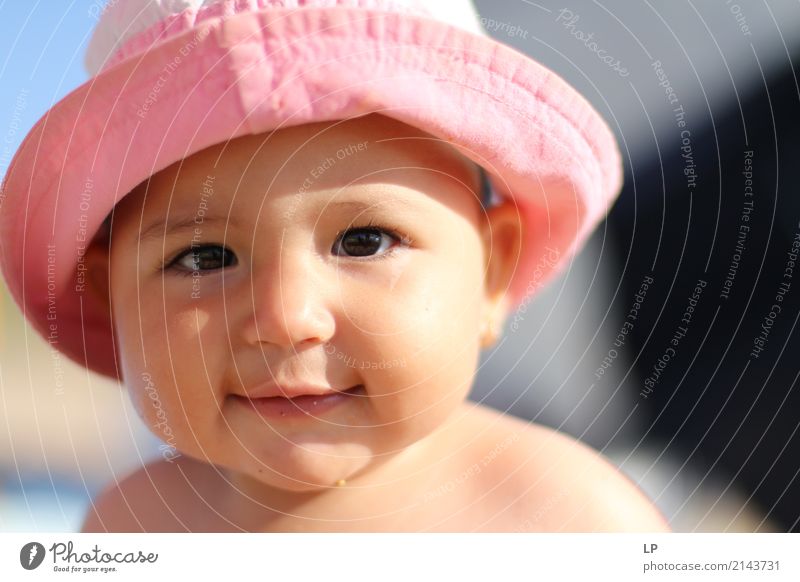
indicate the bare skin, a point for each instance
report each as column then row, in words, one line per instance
column 517, row 477
column 281, row 297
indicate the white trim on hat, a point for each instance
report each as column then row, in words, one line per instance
column 121, row 20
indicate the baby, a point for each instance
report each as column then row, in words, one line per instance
column 296, row 302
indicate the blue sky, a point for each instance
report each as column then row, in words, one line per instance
column 42, row 43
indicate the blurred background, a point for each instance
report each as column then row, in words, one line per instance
column 703, row 96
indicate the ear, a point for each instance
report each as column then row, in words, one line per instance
column 98, row 284
column 501, row 231
column 96, row 260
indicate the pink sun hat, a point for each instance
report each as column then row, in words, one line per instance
column 173, row 77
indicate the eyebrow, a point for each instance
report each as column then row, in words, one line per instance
column 160, row 228
column 362, row 205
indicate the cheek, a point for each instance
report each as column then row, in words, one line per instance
column 180, row 419
column 182, row 412
column 168, row 330
column 421, row 297
column 170, row 365
column 412, row 400
column 418, row 354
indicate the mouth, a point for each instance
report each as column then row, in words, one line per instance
column 298, row 406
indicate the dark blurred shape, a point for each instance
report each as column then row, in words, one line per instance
column 726, row 398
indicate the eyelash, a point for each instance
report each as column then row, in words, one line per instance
column 403, row 240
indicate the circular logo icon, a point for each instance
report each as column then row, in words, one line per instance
column 31, row 555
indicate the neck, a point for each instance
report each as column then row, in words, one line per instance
column 389, row 490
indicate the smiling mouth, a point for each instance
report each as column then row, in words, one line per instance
column 298, row 406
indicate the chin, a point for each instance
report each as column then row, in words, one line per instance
column 306, row 469
column 297, row 479
column 293, row 484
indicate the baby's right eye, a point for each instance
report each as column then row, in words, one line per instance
column 203, row 258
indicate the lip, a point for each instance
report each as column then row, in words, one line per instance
column 274, row 390
column 303, row 404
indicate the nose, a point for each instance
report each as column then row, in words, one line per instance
column 288, row 303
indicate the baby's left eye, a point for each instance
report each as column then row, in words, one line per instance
column 364, row 242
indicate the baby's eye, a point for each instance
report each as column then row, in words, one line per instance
column 204, row 258
column 364, row 241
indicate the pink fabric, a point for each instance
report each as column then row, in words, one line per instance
column 127, row 28
column 542, row 143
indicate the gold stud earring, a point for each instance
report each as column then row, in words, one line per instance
column 489, row 333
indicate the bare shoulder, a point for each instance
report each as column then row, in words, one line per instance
column 162, row 496
column 545, row 480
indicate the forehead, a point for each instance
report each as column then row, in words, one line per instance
column 366, row 160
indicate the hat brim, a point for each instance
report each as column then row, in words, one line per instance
column 545, row 147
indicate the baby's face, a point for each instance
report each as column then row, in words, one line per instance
column 328, row 255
